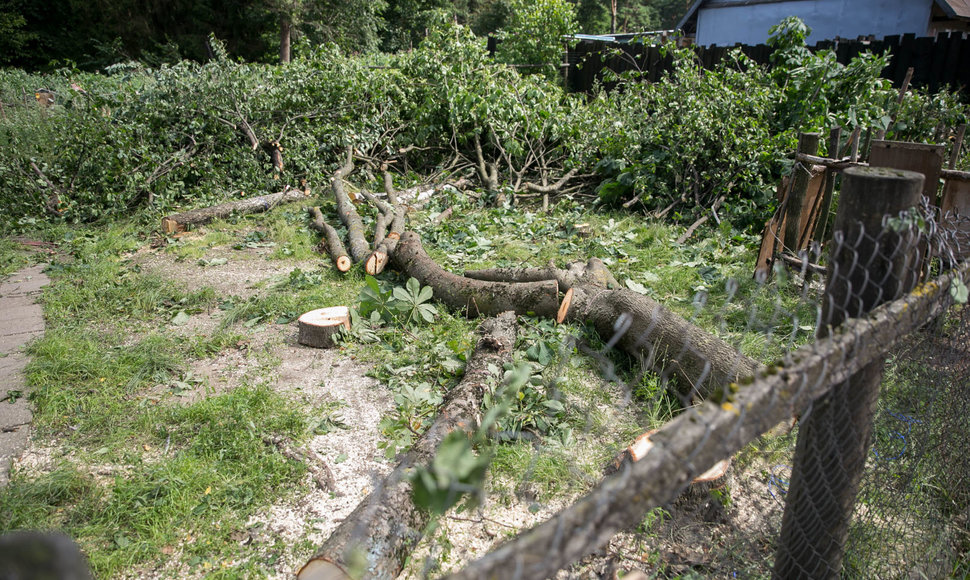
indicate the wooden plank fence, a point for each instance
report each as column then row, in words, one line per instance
column 941, row 61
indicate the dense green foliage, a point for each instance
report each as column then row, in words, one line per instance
column 191, row 134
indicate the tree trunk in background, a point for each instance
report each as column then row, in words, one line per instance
column 285, row 26
column 612, row 16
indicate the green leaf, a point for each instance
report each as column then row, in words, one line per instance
column 958, row 291
column 180, row 319
column 636, row 286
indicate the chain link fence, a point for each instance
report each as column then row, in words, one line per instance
column 845, row 457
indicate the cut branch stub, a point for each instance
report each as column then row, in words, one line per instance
column 480, row 298
column 178, row 222
column 318, row 327
column 713, row 478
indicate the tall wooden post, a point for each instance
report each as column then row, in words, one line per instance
column 835, row 138
column 868, row 266
column 807, row 144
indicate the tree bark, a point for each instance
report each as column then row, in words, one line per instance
column 179, row 221
column 386, row 525
column 647, row 330
column 285, row 29
column 334, row 246
column 359, row 248
column 479, row 298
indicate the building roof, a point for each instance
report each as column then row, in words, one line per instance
column 955, row 8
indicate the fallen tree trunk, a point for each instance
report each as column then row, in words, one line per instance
column 334, row 246
column 647, row 330
column 591, row 272
column 478, row 297
column 179, row 221
column 386, row 525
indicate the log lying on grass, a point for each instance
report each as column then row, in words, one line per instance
column 592, row 272
column 334, row 246
column 636, row 324
column 357, row 240
column 478, row 297
column 179, row 221
column 642, row 327
column 386, row 525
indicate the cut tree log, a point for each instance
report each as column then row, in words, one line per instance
column 478, row 297
column 647, row 330
column 318, row 327
column 381, row 532
column 332, row 239
column 591, row 272
column 393, row 215
column 357, row 240
column 180, row 221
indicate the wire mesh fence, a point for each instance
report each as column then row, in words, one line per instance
column 845, row 457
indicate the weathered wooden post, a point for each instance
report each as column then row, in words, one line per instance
column 869, row 265
column 835, row 137
column 807, row 144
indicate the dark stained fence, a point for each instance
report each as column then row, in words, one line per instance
column 938, row 62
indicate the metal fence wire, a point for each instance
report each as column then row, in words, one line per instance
column 846, row 457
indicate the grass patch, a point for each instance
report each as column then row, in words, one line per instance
column 210, row 472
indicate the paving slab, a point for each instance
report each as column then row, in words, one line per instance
column 10, row 343
column 21, row 320
column 27, row 281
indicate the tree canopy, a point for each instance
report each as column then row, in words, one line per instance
column 91, row 34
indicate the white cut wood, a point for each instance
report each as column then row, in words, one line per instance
column 318, row 327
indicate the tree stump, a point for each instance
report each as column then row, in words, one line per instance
column 318, row 327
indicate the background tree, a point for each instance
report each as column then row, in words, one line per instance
column 535, row 31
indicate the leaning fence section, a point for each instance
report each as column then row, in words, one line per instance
column 847, row 455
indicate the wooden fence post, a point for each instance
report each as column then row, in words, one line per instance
column 807, row 144
column 868, row 266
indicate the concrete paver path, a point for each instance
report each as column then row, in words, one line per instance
column 21, row 320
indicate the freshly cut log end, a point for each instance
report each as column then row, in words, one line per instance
column 318, row 327
column 564, row 307
column 713, row 478
column 376, row 263
column 322, row 570
column 170, row 226
column 343, row 263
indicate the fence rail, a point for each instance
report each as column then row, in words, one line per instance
column 872, row 260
